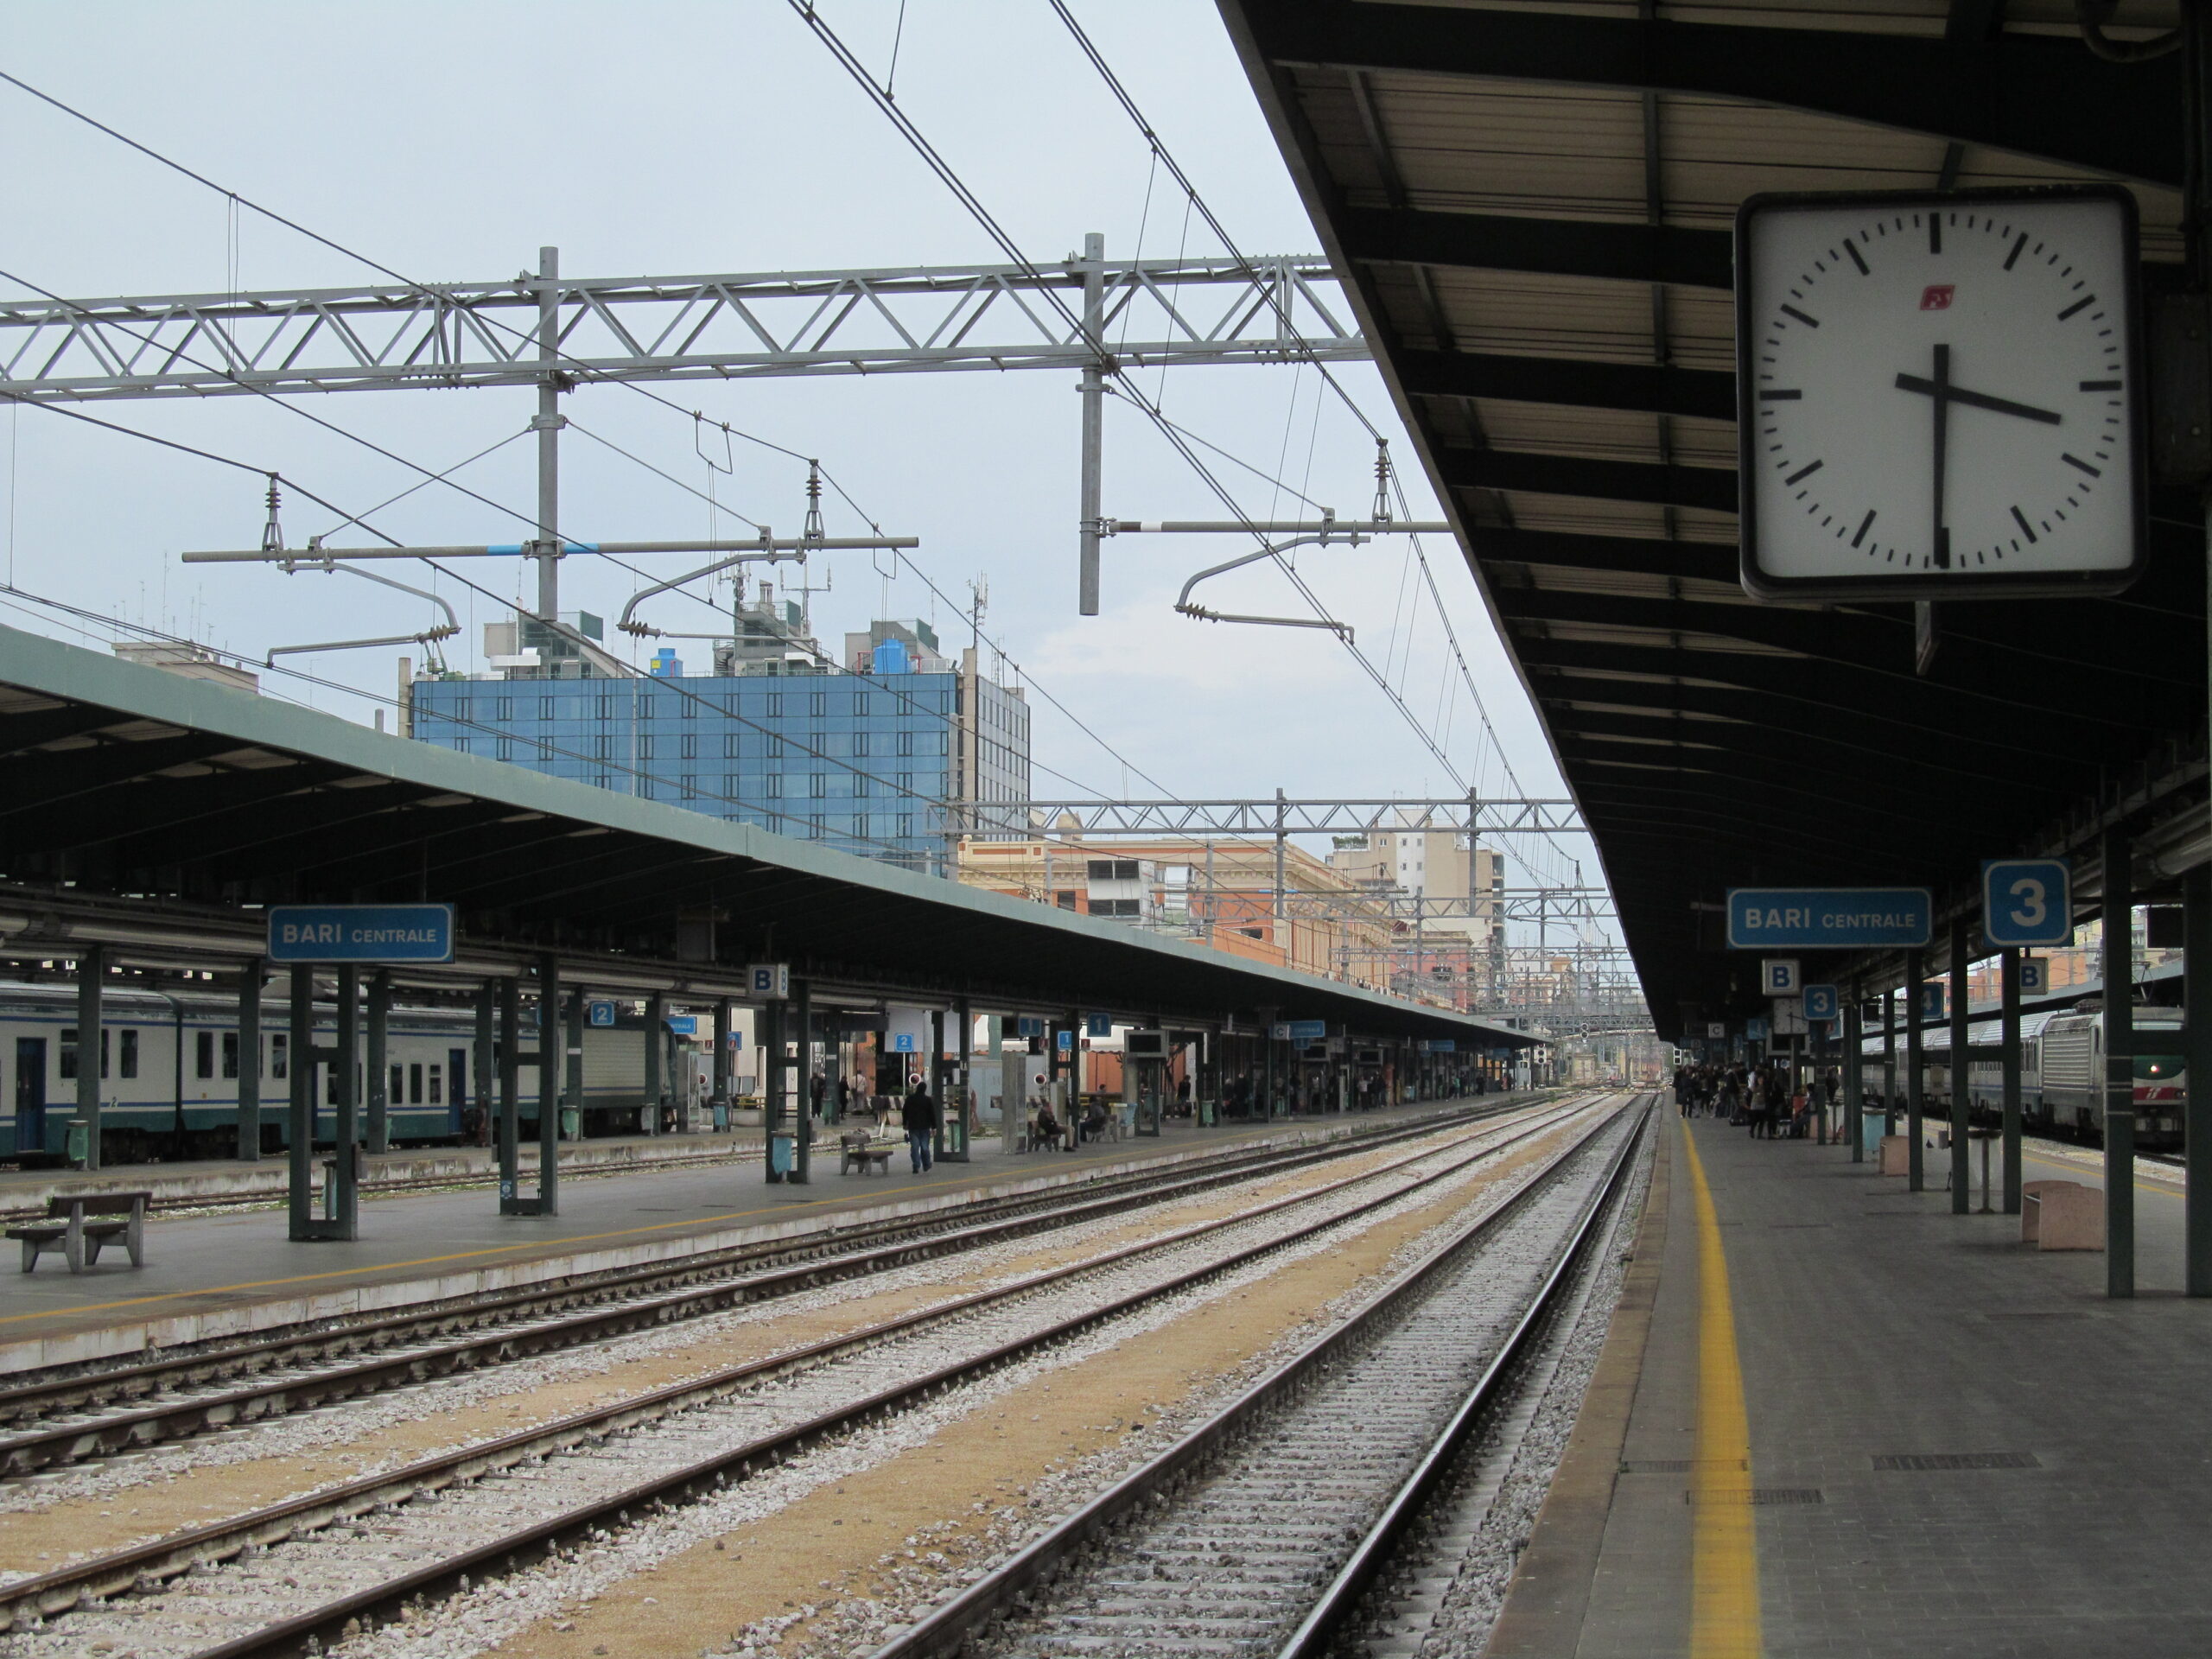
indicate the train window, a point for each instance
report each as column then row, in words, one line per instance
column 279, row 1055
column 105, row 1046
column 127, row 1063
column 398, row 1094
column 67, row 1052
column 230, row 1054
column 437, row 1084
column 203, row 1054
column 330, row 1086
column 414, row 1083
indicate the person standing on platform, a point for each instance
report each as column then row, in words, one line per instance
column 920, row 1116
column 817, row 1087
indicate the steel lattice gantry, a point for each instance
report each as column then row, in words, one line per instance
column 1530, row 205
column 729, row 326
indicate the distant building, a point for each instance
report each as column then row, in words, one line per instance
column 864, row 754
column 1466, row 882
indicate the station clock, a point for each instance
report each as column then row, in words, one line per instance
column 1939, row 395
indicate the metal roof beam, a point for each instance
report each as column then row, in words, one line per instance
column 1629, row 554
column 2033, row 95
column 1643, row 387
column 1713, row 488
column 1539, row 247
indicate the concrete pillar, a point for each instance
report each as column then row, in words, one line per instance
column 1915, row 971
column 2196, row 1124
column 92, row 984
column 655, row 1045
column 770, row 1028
column 299, row 1065
column 959, row 1108
column 2119, row 1064
column 251, row 979
column 379, row 1048
column 1962, row 1070
column 1889, row 1061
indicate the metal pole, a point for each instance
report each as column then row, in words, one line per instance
column 251, row 980
column 2009, row 1037
column 549, row 435
column 92, row 977
column 574, row 1043
column 509, row 1131
column 1281, row 811
column 803, row 1095
column 379, row 1045
column 299, row 1074
column 2196, row 1121
column 552, row 1042
column 1094, row 417
column 656, row 1023
column 1961, row 1068
column 2119, row 1064
column 1888, row 1062
column 771, row 1026
column 964, row 1015
column 1915, row 971
column 346, row 1141
column 938, row 1090
column 480, row 1067
column 1854, row 1104
column 721, row 1055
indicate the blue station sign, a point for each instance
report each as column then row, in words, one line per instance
column 1828, row 918
column 1309, row 1031
column 2027, row 901
column 364, row 933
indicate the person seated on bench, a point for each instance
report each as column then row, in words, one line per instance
column 1044, row 1130
column 1094, row 1120
column 80, row 1239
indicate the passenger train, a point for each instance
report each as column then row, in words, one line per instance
column 2061, row 1070
column 169, row 1065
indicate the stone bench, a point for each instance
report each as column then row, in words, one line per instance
column 80, row 1222
column 2062, row 1216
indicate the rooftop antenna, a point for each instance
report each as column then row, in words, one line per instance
column 979, row 599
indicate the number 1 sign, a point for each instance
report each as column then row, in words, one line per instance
column 2027, row 901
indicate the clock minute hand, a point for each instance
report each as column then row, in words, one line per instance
column 1976, row 399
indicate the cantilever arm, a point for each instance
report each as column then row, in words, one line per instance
column 1183, row 599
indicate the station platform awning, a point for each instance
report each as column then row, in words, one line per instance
column 1531, row 207
column 149, row 810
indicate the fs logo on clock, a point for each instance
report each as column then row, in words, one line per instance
column 1939, row 394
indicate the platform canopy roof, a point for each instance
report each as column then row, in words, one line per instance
column 1531, row 205
column 141, row 808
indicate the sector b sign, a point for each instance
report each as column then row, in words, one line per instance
column 1828, row 918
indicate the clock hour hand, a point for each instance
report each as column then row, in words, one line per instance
column 1976, row 399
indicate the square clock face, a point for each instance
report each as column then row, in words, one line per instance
column 1939, row 396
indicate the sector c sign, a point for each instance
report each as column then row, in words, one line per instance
column 1828, row 918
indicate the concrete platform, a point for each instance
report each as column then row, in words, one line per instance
column 1956, row 1445
column 212, row 1275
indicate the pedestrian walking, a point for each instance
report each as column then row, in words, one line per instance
column 919, row 1115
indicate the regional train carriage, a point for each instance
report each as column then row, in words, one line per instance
column 2061, row 1070
column 169, row 1065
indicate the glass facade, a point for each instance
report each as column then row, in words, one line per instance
column 864, row 763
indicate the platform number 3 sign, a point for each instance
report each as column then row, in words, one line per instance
column 2027, row 901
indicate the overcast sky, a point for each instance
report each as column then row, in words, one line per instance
column 659, row 138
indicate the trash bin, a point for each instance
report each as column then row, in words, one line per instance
column 781, row 1155
column 572, row 1123
column 79, row 1143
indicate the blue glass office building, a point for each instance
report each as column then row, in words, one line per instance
column 780, row 737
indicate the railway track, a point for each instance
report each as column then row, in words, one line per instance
column 268, row 1580
column 85, row 1415
column 1262, row 1530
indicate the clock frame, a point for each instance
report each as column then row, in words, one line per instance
column 1754, row 314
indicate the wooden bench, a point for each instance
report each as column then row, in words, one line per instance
column 859, row 1152
column 78, row 1238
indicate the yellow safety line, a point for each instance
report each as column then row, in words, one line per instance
column 1724, row 1560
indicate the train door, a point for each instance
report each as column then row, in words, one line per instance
column 30, row 1095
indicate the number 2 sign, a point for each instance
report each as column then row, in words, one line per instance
column 2027, row 901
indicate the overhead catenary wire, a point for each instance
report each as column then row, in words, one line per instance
column 1133, row 392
